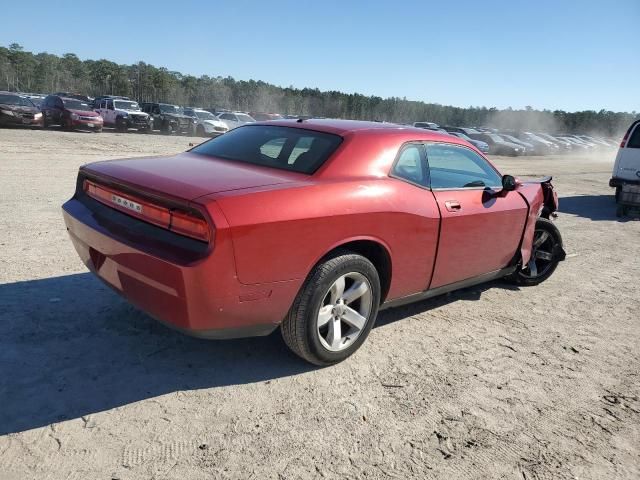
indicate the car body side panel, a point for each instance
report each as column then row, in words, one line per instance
column 481, row 237
column 280, row 235
column 627, row 164
column 200, row 296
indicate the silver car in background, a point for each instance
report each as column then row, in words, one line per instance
column 235, row 119
column 208, row 125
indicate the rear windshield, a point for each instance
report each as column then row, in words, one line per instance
column 285, row 148
column 634, row 140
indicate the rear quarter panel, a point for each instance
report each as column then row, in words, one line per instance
column 281, row 233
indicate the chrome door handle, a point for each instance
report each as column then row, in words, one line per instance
column 453, row 205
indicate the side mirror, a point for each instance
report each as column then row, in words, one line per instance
column 508, row 183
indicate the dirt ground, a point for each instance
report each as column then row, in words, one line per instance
column 490, row 382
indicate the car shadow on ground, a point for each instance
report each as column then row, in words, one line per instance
column 71, row 347
column 471, row 293
column 594, row 207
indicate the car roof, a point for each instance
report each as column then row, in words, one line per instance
column 11, row 93
column 356, row 127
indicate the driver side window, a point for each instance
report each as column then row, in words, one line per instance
column 455, row 167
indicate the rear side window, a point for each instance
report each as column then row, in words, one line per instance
column 286, row 148
column 634, row 140
column 410, row 165
column 455, row 167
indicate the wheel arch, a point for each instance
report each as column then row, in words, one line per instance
column 373, row 249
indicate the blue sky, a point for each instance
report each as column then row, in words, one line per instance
column 570, row 54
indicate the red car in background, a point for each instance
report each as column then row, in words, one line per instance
column 70, row 113
column 312, row 226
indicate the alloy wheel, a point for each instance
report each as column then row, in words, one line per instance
column 542, row 254
column 344, row 312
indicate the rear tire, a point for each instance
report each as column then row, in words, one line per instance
column 335, row 309
column 545, row 255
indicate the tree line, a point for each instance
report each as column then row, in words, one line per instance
column 43, row 72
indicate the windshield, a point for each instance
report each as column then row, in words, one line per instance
column 244, row 118
column 165, row 108
column 75, row 105
column 464, row 137
column 126, row 105
column 202, row 115
column 15, row 100
column 496, row 138
column 285, row 148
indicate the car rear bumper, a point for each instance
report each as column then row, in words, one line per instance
column 200, row 296
column 618, row 182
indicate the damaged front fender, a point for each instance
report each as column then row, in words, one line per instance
column 542, row 200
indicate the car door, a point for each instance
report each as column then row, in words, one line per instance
column 102, row 107
column 480, row 229
column 46, row 109
column 156, row 114
column 109, row 114
column 58, row 110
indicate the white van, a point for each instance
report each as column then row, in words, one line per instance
column 626, row 169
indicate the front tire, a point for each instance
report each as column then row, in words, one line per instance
column 546, row 253
column 335, row 309
column 121, row 125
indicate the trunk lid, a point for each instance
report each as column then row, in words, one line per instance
column 187, row 176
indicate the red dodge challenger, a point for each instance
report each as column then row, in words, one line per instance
column 310, row 225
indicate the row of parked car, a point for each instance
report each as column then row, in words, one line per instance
column 514, row 142
column 74, row 111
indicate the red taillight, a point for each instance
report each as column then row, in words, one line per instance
column 624, row 139
column 182, row 223
column 187, row 224
column 623, row 143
